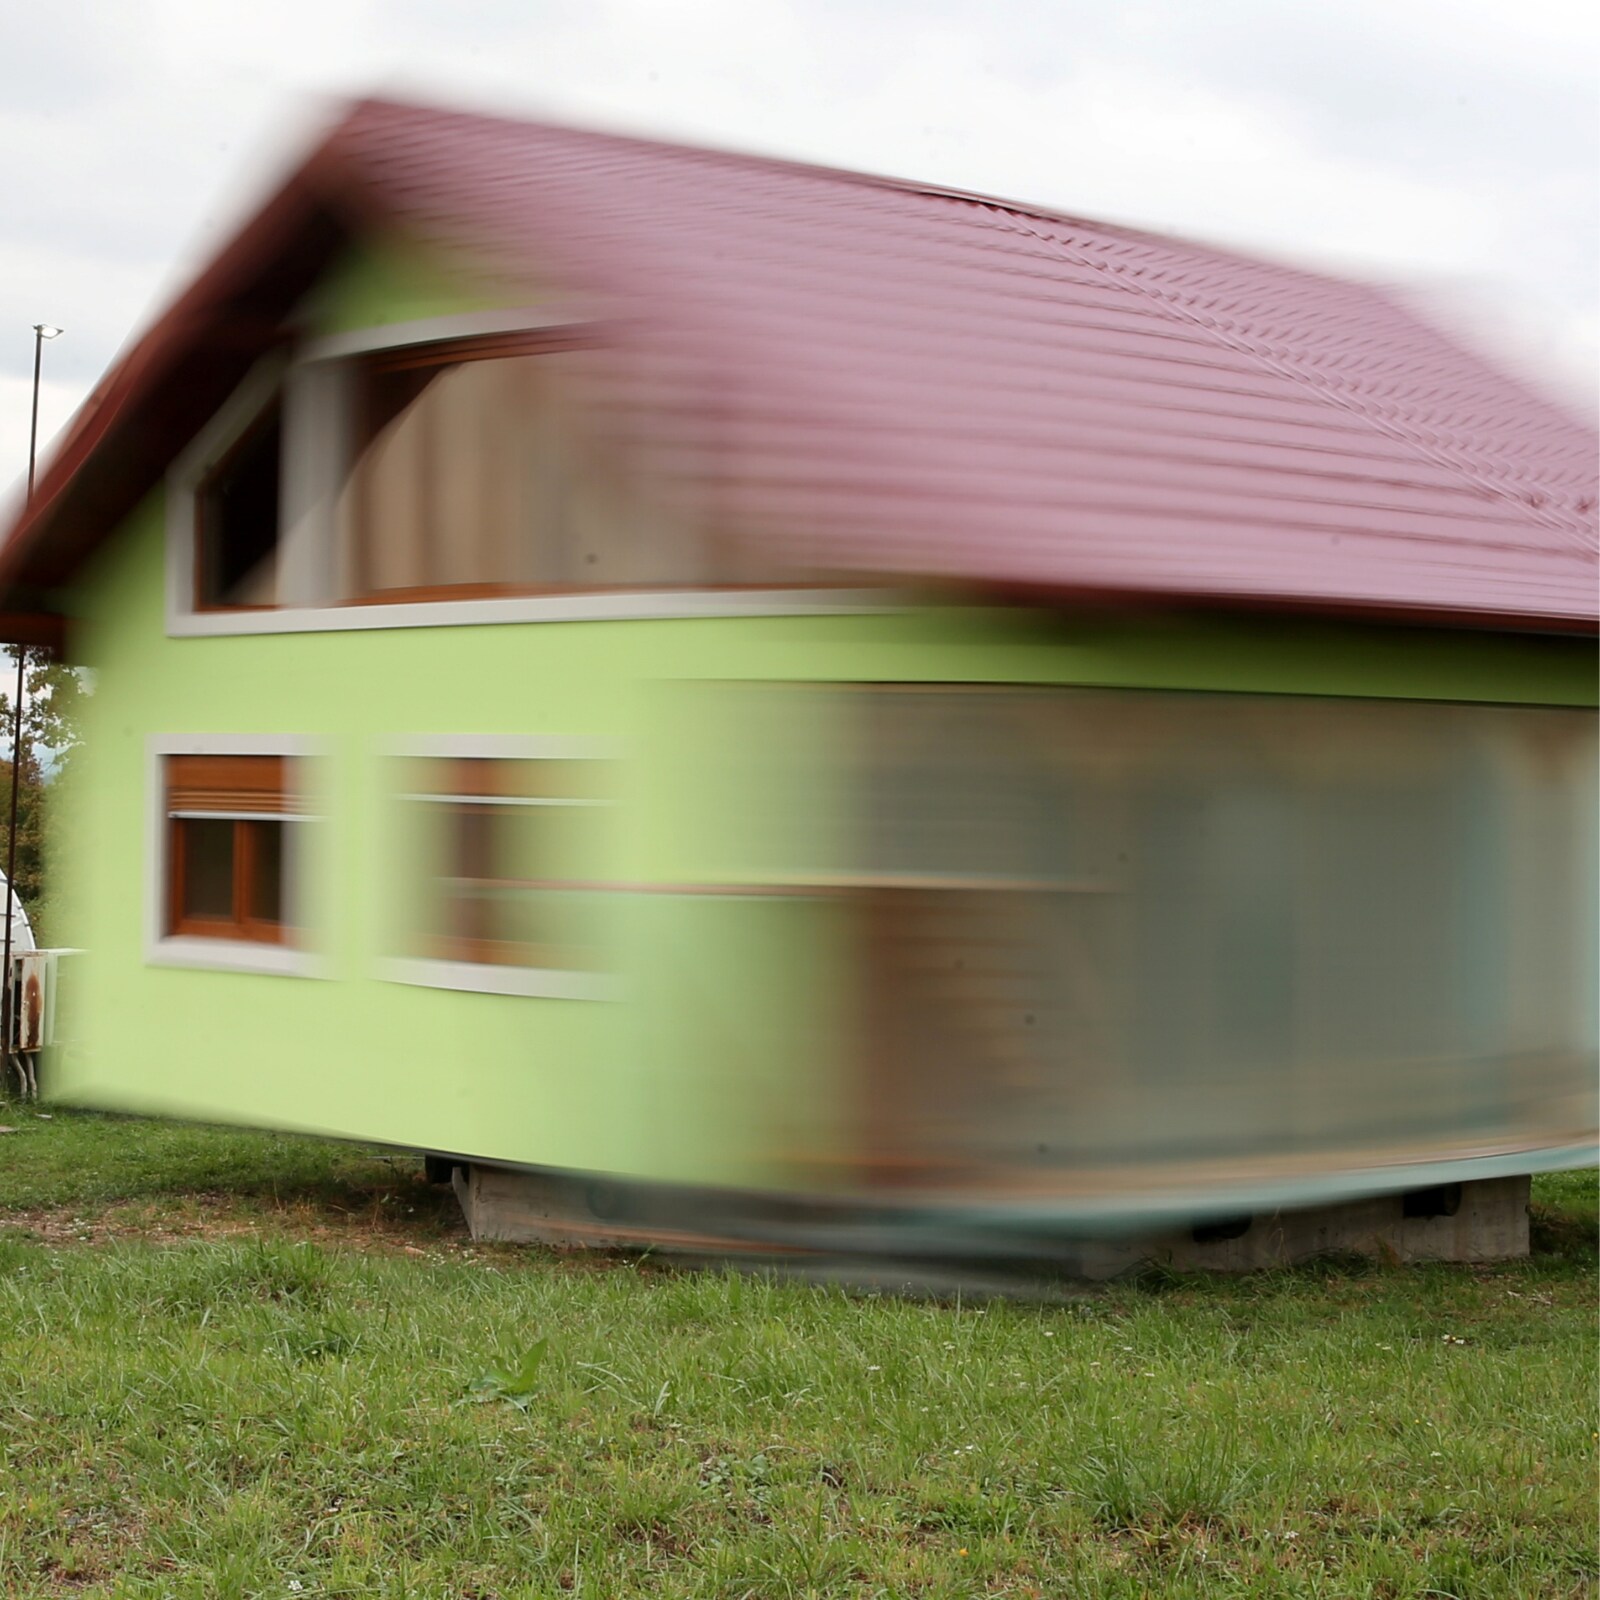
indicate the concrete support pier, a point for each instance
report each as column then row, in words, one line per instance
column 1485, row 1220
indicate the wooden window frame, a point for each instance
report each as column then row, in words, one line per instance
column 242, row 924
column 249, row 792
column 478, row 347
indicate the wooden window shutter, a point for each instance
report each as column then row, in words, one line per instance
column 225, row 786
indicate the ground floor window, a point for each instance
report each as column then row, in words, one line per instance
column 505, row 852
column 229, row 821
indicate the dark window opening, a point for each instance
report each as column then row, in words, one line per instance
column 205, row 887
column 1442, row 1200
column 237, row 510
column 264, row 886
column 1221, row 1230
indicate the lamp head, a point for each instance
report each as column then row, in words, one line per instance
column 46, row 330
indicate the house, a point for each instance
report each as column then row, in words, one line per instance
column 723, row 696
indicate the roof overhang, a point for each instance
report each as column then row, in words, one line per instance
column 162, row 389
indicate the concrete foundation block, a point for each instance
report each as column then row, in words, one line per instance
column 1485, row 1220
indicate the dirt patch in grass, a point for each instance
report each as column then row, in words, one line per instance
column 411, row 1220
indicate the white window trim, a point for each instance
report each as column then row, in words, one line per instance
column 659, row 605
column 310, row 389
column 162, row 949
column 541, row 983
column 474, row 977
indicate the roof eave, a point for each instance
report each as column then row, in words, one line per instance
column 214, row 329
column 1330, row 608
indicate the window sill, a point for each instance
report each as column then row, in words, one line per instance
column 539, row 983
column 231, row 955
column 594, row 606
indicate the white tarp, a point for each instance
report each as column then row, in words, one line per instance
column 21, row 932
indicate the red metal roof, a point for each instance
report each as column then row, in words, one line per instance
column 913, row 382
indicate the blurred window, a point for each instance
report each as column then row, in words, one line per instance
column 472, row 475
column 509, row 849
column 1227, row 923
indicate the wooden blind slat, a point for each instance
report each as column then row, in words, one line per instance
column 228, row 784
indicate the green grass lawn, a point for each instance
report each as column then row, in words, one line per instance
column 248, row 1365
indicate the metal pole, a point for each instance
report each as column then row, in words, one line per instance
column 16, row 739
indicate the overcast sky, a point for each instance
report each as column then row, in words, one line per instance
column 1442, row 142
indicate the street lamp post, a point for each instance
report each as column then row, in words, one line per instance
column 41, row 332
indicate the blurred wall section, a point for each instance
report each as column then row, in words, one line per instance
column 1088, row 942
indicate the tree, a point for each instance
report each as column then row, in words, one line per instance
column 50, row 736
column 30, row 828
column 50, row 708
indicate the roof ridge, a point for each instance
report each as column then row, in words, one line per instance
column 1036, row 210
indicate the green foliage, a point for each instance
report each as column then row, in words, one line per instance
column 31, row 836
column 235, row 1364
column 51, row 724
column 1564, row 1223
column 260, row 1269
column 517, row 1384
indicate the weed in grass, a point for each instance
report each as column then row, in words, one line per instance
column 517, row 1384
column 743, row 1482
column 1197, row 1479
column 331, row 1336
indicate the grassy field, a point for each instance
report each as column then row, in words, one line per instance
column 243, row 1365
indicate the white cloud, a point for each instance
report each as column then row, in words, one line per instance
column 57, row 401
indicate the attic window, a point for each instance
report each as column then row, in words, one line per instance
column 476, row 469
column 459, row 480
column 237, row 518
